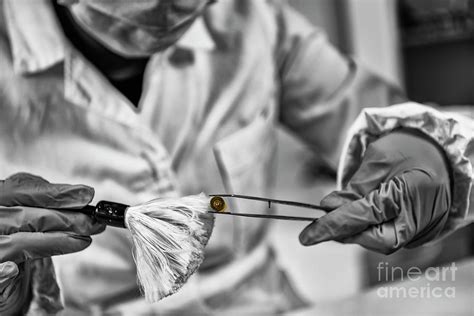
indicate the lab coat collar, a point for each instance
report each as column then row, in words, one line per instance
column 38, row 42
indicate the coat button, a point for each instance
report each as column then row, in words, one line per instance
column 182, row 57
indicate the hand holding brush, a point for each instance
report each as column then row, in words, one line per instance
column 41, row 219
column 168, row 234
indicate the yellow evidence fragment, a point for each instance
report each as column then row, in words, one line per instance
column 218, row 204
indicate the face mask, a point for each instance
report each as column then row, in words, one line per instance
column 137, row 28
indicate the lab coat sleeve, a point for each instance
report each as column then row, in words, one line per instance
column 322, row 92
column 453, row 132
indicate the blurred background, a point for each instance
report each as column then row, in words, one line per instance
column 426, row 47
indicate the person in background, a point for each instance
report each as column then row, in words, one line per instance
column 154, row 98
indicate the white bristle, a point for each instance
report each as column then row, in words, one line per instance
column 169, row 236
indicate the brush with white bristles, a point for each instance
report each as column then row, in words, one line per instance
column 168, row 236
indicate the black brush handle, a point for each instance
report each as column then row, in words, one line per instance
column 107, row 212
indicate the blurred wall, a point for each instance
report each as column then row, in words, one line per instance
column 366, row 29
column 372, row 30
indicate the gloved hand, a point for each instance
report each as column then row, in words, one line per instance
column 30, row 233
column 400, row 196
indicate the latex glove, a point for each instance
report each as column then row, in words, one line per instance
column 30, row 233
column 400, row 196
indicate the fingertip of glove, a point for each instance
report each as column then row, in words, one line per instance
column 79, row 195
column 336, row 199
column 79, row 242
column 87, row 193
column 80, row 237
column 98, row 228
column 331, row 200
column 305, row 237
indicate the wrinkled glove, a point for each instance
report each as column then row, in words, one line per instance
column 399, row 197
column 30, row 234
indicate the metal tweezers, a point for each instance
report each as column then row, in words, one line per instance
column 270, row 201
